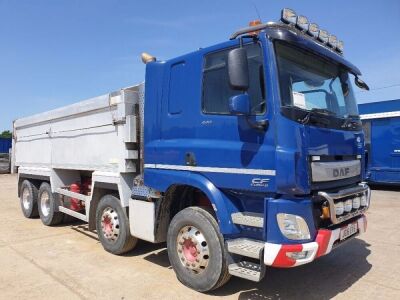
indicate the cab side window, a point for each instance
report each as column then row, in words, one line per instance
column 216, row 89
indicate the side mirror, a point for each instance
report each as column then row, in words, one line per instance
column 238, row 69
column 361, row 84
column 239, row 104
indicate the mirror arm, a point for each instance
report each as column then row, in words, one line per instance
column 255, row 39
column 259, row 125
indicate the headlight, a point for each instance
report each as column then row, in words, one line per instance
column 339, row 208
column 289, row 16
column 348, row 205
column 293, row 227
column 356, row 203
column 302, row 23
column 364, row 200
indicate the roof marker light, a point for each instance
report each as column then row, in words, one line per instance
column 289, row 16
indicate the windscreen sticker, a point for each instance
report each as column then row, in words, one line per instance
column 299, row 100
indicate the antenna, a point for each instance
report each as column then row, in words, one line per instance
column 256, row 9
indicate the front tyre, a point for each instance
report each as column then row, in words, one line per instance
column 196, row 250
column 113, row 226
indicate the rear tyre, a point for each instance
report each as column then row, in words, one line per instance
column 196, row 250
column 113, row 226
column 48, row 206
column 28, row 199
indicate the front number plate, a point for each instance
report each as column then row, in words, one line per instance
column 349, row 230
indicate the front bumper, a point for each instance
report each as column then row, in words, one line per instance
column 276, row 255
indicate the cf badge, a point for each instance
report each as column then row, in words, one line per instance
column 259, row 182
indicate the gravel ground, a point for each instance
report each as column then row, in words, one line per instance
column 68, row 262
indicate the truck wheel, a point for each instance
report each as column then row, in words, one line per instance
column 196, row 250
column 47, row 204
column 28, row 198
column 112, row 226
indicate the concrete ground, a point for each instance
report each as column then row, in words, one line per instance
column 68, row 262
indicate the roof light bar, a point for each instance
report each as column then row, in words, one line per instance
column 313, row 30
column 302, row 23
column 323, row 36
column 332, row 41
column 340, row 46
column 290, row 17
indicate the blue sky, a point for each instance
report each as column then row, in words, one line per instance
column 55, row 52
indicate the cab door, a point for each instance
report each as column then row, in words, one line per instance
column 237, row 155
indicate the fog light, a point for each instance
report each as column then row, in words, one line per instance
column 356, row 203
column 364, row 200
column 293, row 227
column 297, row 255
column 339, row 208
column 348, row 205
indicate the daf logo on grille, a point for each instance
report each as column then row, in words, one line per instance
column 340, row 172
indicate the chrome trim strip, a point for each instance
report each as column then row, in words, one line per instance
column 389, row 114
column 211, row 169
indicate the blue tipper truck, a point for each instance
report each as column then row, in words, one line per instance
column 242, row 155
column 381, row 121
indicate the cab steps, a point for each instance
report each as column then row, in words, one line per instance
column 247, row 248
column 247, row 270
column 248, row 219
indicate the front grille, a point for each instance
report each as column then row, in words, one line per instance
column 330, row 171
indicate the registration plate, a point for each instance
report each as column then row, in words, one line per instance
column 349, row 230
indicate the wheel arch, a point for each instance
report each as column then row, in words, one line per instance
column 36, row 180
column 99, row 190
column 173, row 180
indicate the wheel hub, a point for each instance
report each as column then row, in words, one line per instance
column 110, row 224
column 25, row 198
column 192, row 248
column 45, row 203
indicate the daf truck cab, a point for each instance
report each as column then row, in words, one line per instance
column 266, row 124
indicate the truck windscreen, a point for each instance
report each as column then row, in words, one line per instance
column 311, row 83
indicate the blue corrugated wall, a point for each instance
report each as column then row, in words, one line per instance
column 383, row 142
column 5, row 145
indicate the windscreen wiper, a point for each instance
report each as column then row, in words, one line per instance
column 321, row 111
column 351, row 121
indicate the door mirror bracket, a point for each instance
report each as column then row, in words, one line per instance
column 361, row 84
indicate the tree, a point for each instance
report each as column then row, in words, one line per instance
column 6, row 134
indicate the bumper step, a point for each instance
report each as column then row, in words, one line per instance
column 246, row 247
column 247, row 270
column 248, row 219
